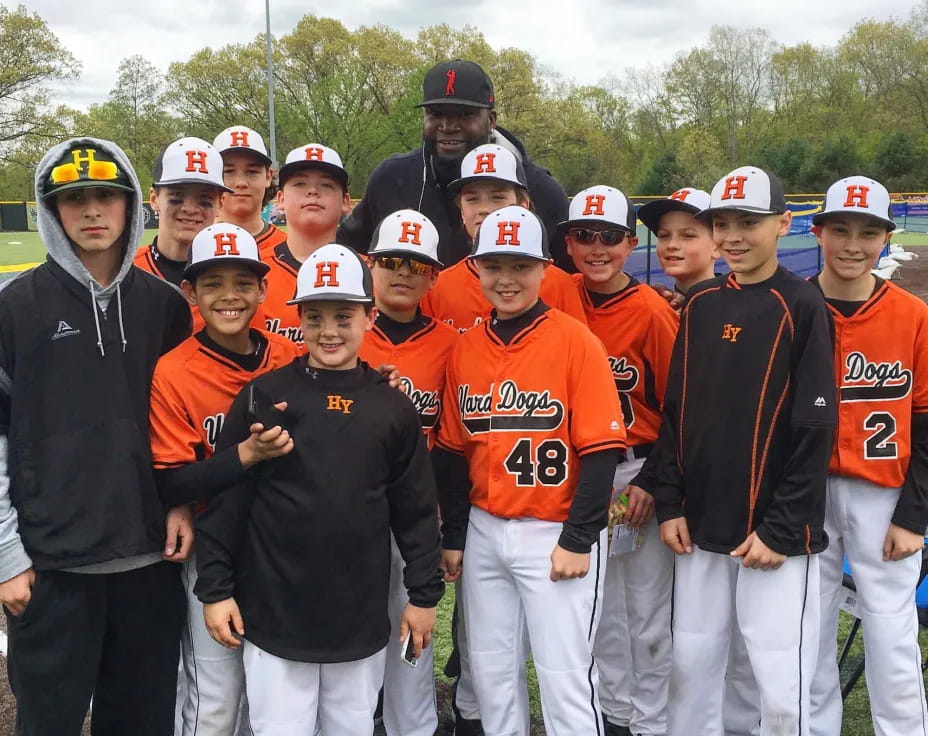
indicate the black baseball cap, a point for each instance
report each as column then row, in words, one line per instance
column 85, row 165
column 457, row 82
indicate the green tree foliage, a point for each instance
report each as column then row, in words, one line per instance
column 809, row 113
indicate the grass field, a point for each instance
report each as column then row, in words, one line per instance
column 22, row 248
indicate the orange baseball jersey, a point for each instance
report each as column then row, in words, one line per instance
column 638, row 328
column 457, row 299
column 280, row 317
column 269, row 238
column 881, row 367
column 524, row 413
column 421, row 359
column 191, row 391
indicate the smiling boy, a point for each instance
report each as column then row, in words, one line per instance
column 531, row 437
column 877, row 504
column 296, row 559
column 638, row 328
column 748, row 423
column 192, row 389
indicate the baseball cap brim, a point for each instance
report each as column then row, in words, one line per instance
column 652, row 212
column 333, row 298
column 455, row 186
column 453, row 101
column 709, row 211
column 266, row 160
column 413, row 256
column 821, row 217
column 258, row 267
column 84, row 184
column 288, row 170
column 177, row 182
column 567, row 224
column 521, row 254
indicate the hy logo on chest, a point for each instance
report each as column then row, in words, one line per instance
column 730, row 332
column 335, row 402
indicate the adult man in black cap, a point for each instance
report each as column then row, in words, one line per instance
column 459, row 114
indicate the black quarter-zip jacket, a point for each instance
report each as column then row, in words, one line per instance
column 750, row 415
column 302, row 542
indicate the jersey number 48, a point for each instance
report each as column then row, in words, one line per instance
column 546, row 464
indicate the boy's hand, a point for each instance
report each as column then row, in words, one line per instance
column 567, row 565
column 758, row 555
column 640, row 506
column 421, row 622
column 674, row 298
column 16, row 592
column 265, row 444
column 391, row 373
column 901, row 543
column 179, row 534
column 676, row 535
column 223, row 621
column 451, row 563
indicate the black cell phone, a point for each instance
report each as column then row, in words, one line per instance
column 261, row 409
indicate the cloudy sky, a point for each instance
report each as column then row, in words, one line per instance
column 584, row 40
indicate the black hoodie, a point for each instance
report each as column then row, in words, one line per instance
column 408, row 180
column 76, row 362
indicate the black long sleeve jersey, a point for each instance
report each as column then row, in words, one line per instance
column 749, row 416
column 303, row 541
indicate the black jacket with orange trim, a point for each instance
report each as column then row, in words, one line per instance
column 749, row 416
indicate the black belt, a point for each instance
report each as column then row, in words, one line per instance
column 636, row 452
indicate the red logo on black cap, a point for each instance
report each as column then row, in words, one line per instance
column 449, row 87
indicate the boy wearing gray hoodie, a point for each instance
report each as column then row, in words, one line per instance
column 94, row 606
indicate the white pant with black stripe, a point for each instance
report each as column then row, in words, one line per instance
column 212, row 684
column 857, row 518
column 777, row 613
column 409, row 707
column 633, row 643
column 507, row 564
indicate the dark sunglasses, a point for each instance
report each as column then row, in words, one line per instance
column 586, row 236
column 395, row 263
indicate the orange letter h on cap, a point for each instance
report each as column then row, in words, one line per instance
column 196, row 161
column 313, row 153
column 857, row 196
column 486, row 164
column 508, row 233
column 734, row 187
column 680, row 195
column 410, row 233
column 226, row 245
column 594, row 205
column 240, row 138
column 326, row 274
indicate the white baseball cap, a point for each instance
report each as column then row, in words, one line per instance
column 189, row 161
column 858, row 194
column 512, row 231
column 490, row 161
column 748, row 189
column 334, row 273
column 223, row 242
column 600, row 204
column 240, row 138
column 406, row 233
column 313, row 156
column 687, row 199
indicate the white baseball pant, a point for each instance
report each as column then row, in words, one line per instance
column 857, row 517
column 633, row 642
column 211, row 698
column 465, row 697
column 777, row 612
column 288, row 698
column 741, row 707
column 507, row 564
column 409, row 707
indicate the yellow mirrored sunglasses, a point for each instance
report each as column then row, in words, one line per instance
column 96, row 171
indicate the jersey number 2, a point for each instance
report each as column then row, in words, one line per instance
column 877, row 446
column 547, row 465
